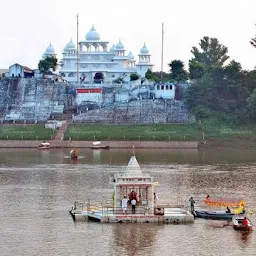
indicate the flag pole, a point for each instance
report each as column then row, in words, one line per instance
column 77, row 51
column 162, row 53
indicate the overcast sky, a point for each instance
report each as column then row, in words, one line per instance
column 28, row 26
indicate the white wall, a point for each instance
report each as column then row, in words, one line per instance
column 91, row 96
column 165, row 91
column 16, row 70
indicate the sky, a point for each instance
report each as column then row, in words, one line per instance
column 28, row 26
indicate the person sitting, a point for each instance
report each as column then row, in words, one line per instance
column 228, row 210
column 245, row 222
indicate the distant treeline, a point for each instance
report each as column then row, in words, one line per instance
column 219, row 86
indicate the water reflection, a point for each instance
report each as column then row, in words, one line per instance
column 38, row 189
column 135, row 238
column 244, row 239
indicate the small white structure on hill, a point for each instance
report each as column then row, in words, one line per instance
column 17, row 70
column 165, row 91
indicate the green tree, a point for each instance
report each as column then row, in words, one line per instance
column 178, row 73
column 210, row 54
column 196, row 69
column 252, row 104
column 47, row 63
column 134, row 76
column 157, row 76
column 149, row 75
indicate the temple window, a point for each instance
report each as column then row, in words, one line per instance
column 158, row 87
column 162, row 87
column 166, row 87
column 170, row 87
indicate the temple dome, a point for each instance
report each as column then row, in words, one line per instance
column 130, row 55
column 113, row 48
column 144, row 49
column 50, row 49
column 92, row 35
column 70, row 45
column 119, row 45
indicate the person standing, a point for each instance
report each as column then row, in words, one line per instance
column 192, row 204
column 156, row 198
column 133, row 202
column 124, row 205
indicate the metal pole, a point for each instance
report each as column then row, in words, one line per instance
column 162, row 55
column 77, row 52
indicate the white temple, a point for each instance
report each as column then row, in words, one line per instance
column 97, row 63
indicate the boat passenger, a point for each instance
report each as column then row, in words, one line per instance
column 192, row 204
column 245, row 222
column 228, row 210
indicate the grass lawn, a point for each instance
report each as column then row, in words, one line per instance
column 177, row 132
column 212, row 130
column 26, row 132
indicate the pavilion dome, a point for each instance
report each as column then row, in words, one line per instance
column 92, row 35
column 119, row 45
column 130, row 55
column 144, row 49
column 50, row 50
column 113, row 48
column 70, row 45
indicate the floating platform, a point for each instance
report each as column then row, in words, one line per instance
column 170, row 215
column 132, row 188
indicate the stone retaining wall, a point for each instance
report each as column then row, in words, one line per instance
column 112, row 144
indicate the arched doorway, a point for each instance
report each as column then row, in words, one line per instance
column 98, row 78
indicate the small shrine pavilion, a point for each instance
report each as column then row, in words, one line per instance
column 133, row 183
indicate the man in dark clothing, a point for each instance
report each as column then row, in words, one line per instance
column 192, row 204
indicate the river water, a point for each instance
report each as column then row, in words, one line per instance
column 38, row 188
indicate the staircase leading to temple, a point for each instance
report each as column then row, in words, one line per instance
column 59, row 134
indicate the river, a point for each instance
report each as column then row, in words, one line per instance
column 38, row 188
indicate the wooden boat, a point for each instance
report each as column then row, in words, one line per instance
column 219, row 215
column 238, row 223
column 98, row 145
column 44, row 145
column 74, row 154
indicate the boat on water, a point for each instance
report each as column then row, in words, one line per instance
column 213, row 214
column 220, row 214
column 74, row 154
column 242, row 223
column 44, row 145
column 98, row 145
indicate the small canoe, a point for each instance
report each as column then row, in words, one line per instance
column 213, row 215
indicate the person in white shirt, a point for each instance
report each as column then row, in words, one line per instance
column 124, row 205
column 133, row 202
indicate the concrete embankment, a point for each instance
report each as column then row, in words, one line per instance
column 111, row 144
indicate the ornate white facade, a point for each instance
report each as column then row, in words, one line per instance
column 97, row 64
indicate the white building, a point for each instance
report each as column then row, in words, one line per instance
column 17, row 70
column 165, row 91
column 97, row 63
